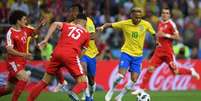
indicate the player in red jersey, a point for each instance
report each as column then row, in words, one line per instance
column 16, row 45
column 66, row 53
column 167, row 32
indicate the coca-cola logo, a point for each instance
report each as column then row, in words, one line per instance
column 162, row 78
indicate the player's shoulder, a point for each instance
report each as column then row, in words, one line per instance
column 172, row 23
column 145, row 22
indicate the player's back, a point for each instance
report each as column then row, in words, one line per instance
column 72, row 37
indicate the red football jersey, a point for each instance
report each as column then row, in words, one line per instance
column 73, row 37
column 18, row 40
column 168, row 27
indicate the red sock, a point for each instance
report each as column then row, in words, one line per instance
column 79, row 87
column 145, row 80
column 18, row 89
column 4, row 91
column 184, row 71
column 60, row 76
column 36, row 90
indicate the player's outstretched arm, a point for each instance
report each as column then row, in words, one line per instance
column 51, row 30
column 106, row 25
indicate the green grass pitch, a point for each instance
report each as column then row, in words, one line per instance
column 99, row 96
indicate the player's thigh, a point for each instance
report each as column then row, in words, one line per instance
column 169, row 59
column 53, row 66
column 124, row 63
column 74, row 66
column 16, row 71
column 156, row 60
column 136, row 64
column 91, row 67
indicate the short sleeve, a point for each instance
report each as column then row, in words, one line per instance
column 90, row 26
column 9, row 39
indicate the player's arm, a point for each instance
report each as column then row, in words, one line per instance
column 106, row 25
column 52, row 29
column 12, row 51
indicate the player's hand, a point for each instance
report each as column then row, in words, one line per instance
column 100, row 29
column 43, row 21
column 27, row 56
column 42, row 44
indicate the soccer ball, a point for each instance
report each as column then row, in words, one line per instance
column 143, row 96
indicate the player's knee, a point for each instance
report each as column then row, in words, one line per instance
column 91, row 80
column 22, row 75
column 151, row 69
column 82, row 78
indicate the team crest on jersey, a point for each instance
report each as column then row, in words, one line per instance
column 141, row 28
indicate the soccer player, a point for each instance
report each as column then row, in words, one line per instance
column 88, row 59
column 134, row 31
column 167, row 32
column 73, row 38
column 16, row 45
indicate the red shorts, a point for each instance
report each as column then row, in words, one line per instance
column 14, row 67
column 160, row 56
column 68, row 60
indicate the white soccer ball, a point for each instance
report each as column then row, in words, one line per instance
column 143, row 96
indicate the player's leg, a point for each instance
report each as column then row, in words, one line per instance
column 7, row 89
column 35, row 92
column 52, row 68
column 154, row 62
column 89, row 65
column 135, row 69
column 91, row 72
column 123, row 67
column 22, row 77
column 76, row 70
column 86, row 94
column 180, row 70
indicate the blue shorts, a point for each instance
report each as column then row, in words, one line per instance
column 131, row 63
column 91, row 65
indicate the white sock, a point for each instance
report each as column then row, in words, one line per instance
column 118, row 79
column 128, row 87
column 92, row 89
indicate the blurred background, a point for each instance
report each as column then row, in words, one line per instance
column 185, row 13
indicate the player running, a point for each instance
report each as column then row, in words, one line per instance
column 167, row 32
column 73, row 38
column 17, row 54
column 88, row 59
column 134, row 31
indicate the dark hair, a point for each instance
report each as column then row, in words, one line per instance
column 16, row 15
column 81, row 16
column 166, row 8
column 80, row 8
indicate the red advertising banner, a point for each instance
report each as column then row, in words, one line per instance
column 162, row 78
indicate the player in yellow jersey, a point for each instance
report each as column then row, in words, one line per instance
column 88, row 61
column 134, row 31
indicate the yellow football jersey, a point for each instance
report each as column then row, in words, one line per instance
column 92, row 50
column 134, row 35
